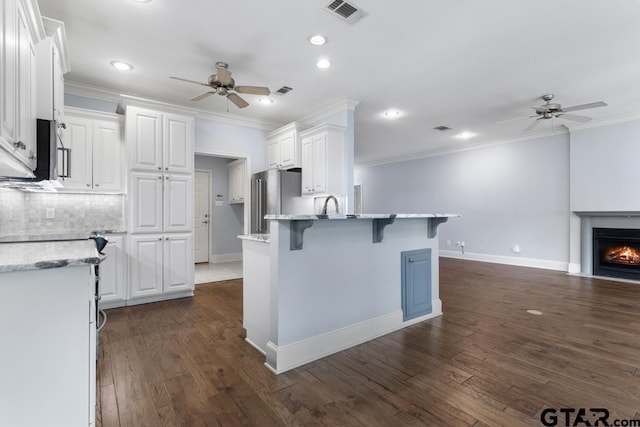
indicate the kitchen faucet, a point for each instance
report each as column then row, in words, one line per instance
column 326, row 202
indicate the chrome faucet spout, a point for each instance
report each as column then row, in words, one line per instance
column 326, row 202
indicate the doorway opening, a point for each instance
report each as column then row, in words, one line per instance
column 219, row 217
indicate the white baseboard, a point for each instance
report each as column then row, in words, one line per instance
column 574, row 268
column 216, row 259
column 158, row 298
column 283, row 358
column 508, row 260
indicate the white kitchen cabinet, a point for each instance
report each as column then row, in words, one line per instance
column 159, row 141
column 112, row 273
column 160, row 202
column 237, row 175
column 323, row 160
column 97, row 151
column 48, row 330
column 284, row 147
column 161, row 264
column 52, row 63
column 19, row 22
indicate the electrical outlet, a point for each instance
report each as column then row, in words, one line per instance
column 50, row 213
column 515, row 249
column 448, row 242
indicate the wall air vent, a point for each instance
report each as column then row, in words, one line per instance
column 284, row 90
column 442, row 128
column 347, row 12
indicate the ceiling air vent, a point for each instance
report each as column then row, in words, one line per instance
column 284, row 90
column 442, row 128
column 347, row 12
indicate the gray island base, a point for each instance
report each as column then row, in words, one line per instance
column 321, row 284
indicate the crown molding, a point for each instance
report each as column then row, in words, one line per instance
column 92, row 114
column 561, row 130
column 56, row 30
column 34, row 20
column 105, row 94
column 338, row 107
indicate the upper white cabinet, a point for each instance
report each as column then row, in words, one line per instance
column 284, row 147
column 237, row 171
column 97, row 151
column 52, row 64
column 160, row 202
column 20, row 29
column 323, row 160
column 159, row 141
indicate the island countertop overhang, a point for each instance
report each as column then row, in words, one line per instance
column 303, row 217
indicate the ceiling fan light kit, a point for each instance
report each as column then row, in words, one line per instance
column 222, row 84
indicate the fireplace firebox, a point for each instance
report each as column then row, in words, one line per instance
column 616, row 253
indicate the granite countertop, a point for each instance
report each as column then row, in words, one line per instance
column 76, row 235
column 360, row 216
column 255, row 237
column 19, row 256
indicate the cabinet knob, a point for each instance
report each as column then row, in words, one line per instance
column 166, row 169
column 159, row 168
column 166, row 177
column 166, row 238
column 32, row 157
column 412, row 260
column 97, row 185
column 88, row 185
column 159, row 238
column 160, row 177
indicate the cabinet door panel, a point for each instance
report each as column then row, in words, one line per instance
column 77, row 137
column 146, row 265
column 274, row 154
column 107, row 157
column 9, row 74
column 26, row 119
column 320, row 163
column 287, row 150
column 178, row 203
column 112, row 286
column 178, row 263
column 307, row 166
column 144, row 130
column 178, row 147
column 416, row 283
column 146, row 199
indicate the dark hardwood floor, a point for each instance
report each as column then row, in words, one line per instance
column 486, row 362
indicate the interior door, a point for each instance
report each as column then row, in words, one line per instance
column 202, row 223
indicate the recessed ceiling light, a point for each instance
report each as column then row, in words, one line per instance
column 323, row 63
column 265, row 101
column 465, row 135
column 122, row 66
column 317, row 40
column 392, row 114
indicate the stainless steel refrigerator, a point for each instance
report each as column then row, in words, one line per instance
column 272, row 192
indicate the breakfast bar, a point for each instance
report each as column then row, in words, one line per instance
column 318, row 284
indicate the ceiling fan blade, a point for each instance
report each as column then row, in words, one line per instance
column 253, row 90
column 223, row 76
column 574, row 117
column 201, row 96
column 533, row 124
column 240, row 103
column 188, row 81
column 585, row 106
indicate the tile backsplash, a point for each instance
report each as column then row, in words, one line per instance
column 33, row 213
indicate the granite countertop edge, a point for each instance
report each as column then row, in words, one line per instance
column 360, row 216
column 76, row 235
column 23, row 256
column 264, row 238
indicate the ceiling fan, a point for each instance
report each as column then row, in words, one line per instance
column 550, row 110
column 222, row 84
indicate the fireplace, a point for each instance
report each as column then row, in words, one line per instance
column 616, row 252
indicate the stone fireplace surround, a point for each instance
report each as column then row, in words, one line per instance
column 583, row 239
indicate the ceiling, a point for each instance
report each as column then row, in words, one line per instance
column 465, row 64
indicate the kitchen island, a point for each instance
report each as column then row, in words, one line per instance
column 48, row 332
column 319, row 284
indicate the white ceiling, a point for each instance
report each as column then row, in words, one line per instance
column 466, row 64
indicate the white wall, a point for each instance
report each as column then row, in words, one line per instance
column 605, row 170
column 508, row 194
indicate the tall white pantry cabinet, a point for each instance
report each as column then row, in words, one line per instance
column 160, row 198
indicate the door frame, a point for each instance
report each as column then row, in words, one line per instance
column 210, row 217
